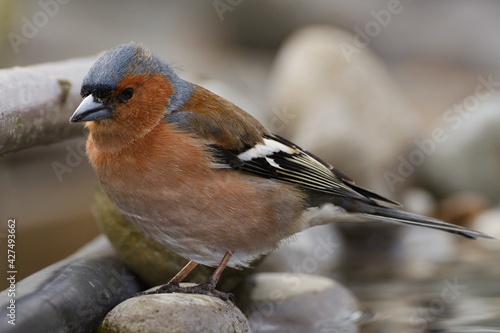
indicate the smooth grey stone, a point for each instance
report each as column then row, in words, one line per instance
column 72, row 295
column 288, row 302
column 175, row 312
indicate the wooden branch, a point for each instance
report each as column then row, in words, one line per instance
column 37, row 101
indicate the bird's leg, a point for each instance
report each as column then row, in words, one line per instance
column 214, row 279
column 179, row 277
column 207, row 288
column 173, row 285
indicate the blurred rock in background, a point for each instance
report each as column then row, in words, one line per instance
column 471, row 152
column 344, row 110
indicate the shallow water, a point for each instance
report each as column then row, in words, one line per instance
column 447, row 285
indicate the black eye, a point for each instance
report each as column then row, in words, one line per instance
column 126, row 94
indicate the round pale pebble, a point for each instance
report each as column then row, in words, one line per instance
column 488, row 222
column 292, row 302
column 182, row 313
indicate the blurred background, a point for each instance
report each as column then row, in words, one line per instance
column 403, row 96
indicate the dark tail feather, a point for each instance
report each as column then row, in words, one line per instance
column 398, row 216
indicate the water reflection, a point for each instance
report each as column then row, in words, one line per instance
column 428, row 282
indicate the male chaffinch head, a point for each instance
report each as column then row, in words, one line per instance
column 201, row 176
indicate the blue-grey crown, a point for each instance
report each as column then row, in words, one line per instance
column 132, row 59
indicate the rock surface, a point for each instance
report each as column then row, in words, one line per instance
column 180, row 313
column 462, row 207
column 347, row 110
column 312, row 251
column 72, row 295
column 488, row 222
column 287, row 302
column 467, row 158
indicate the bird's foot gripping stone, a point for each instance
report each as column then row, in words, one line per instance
column 202, row 289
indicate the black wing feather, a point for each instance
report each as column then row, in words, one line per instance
column 297, row 167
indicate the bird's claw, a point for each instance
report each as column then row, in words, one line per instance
column 203, row 289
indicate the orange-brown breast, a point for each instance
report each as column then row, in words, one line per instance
column 165, row 183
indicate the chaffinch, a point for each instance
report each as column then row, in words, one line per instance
column 204, row 178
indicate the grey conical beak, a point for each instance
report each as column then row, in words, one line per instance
column 90, row 110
